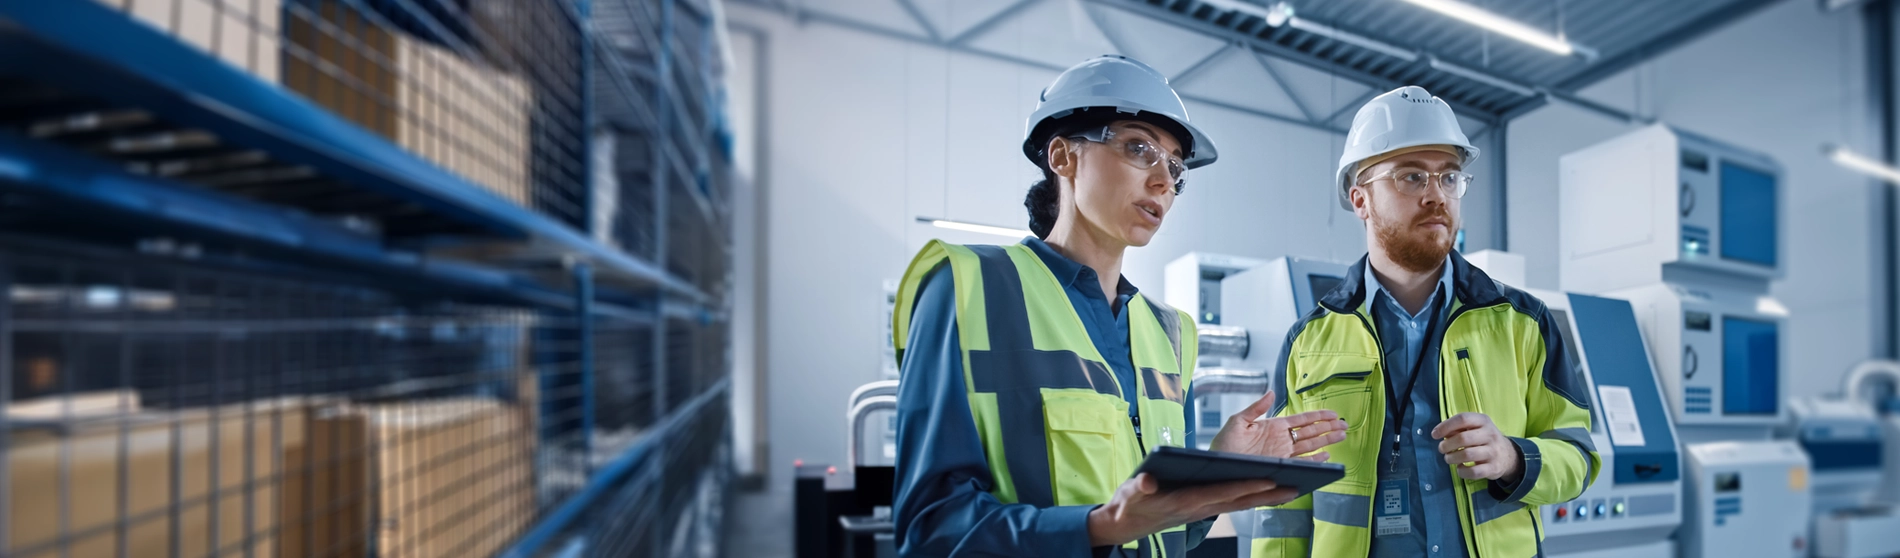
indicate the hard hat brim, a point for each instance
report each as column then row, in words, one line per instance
column 1200, row 149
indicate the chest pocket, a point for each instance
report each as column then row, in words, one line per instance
column 1343, row 383
column 1338, row 382
column 1087, row 444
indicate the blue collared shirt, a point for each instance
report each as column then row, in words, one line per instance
column 943, row 506
column 1411, row 342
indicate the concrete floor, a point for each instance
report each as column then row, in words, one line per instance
column 759, row 524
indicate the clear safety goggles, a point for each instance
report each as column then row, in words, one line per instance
column 1141, row 153
column 1412, row 182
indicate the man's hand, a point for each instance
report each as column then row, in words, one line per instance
column 1250, row 433
column 1139, row 508
column 1471, row 442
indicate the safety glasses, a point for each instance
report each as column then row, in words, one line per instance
column 1412, row 182
column 1141, row 153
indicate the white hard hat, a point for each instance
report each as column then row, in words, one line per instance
column 1401, row 118
column 1124, row 85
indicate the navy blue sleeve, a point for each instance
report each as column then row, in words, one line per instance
column 943, row 506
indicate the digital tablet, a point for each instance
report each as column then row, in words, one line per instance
column 1184, row 467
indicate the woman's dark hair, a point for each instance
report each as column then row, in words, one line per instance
column 1042, row 203
column 1045, row 198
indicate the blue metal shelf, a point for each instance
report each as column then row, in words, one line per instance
column 90, row 50
column 51, row 177
column 342, row 206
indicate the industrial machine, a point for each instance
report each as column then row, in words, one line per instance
column 1257, row 305
column 1850, row 437
column 1634, row 507
column 1193, row 283
column 1687, row 230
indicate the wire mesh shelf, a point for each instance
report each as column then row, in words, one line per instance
column 338, row 278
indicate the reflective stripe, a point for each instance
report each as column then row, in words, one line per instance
column 1008, row 315
column 1281, row 523
column 1174, row 544
column 1342, row 509
column 1579, row 436
column 1170, row 324
column 999, row 371
column 1485, row 508
column 1162, row 385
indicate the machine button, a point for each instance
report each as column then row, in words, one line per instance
column 1618, row 510
column 1583, row 511
column 1563, row 511
column 1602, row 510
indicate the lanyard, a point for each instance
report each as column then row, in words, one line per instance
column 1404, row 404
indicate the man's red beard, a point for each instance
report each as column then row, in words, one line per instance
column 1416, row 251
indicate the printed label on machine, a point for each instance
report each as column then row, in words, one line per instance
column 1619, row 414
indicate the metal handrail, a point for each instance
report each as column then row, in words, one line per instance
column 886, row 387
column 854, row 423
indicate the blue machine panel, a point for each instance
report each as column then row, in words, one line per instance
column 1748, row 215
column 1613, row 347
column 1750, row 362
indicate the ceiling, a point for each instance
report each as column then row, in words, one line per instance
column 1312, row 73
column 1621, row 32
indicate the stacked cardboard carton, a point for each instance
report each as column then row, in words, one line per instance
column 243, row 33
column 199, row 480
column 467, row 118
column 292, row 478
column 447, row 478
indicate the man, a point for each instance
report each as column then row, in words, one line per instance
column 1474, row 413
column 1036, row 378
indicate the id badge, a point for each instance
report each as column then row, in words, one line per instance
column 1394, row 514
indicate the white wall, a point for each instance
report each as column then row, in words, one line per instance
column 867, row 132
column 1784, row 81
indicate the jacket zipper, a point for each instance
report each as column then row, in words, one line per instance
column 1460, row 483
column 1465, row 490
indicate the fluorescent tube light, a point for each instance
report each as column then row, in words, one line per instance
column 975, row 227
column 1502, row 26
column 1847, row 158
column 1276, row 15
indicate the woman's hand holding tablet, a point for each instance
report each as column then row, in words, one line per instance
column 1254, row 465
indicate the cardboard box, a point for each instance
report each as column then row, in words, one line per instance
column 243, row 33
column 445, row 478
column 467, row 118
column 225, row 464
column 327, row 493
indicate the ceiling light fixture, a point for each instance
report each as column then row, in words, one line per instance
column 1505, row 26
column 974, row 227
column 1848, row 158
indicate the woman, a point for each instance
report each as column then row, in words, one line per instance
column 1030, row 395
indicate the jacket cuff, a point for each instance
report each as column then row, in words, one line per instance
column 1530, row 463
column 1060, row 531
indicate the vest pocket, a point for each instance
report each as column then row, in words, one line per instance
column 1087, row 457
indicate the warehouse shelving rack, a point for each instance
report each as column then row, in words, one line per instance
column 182, row 228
